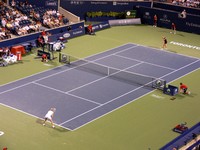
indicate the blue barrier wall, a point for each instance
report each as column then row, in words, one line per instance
column 80, row 8
column 183, row 138
column 165, row 18
column 34, row 36
column 53, row 4
column 176, row 8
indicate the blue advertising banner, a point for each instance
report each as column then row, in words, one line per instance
column 165, row 18
column 178, row 8
column 67, row 34
column 80, row 8
column 101, row 26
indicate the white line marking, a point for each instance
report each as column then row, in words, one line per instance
column 145, row 62
column 66, row 93
column 167, row 51
column 30, row 115
column 72, row 68
column 64, row 65
column 127, row 93
column 127, row 103
column 103, row 78
column 15, row 88
column 180, row 68
column 56, row 73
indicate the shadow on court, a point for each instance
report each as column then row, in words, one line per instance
column 48, row 125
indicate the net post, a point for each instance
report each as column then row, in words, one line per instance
column 60, row 56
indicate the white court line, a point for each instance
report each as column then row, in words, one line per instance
column 145, row 62
column 127, row 94
column 64, row 65
column 87, row 57
column 166, row 51
column 101, row 78
column 15, row 88
column 66, row 93
column 58, row 72
column 31, row 115
column 102, row 105
column 127, row 103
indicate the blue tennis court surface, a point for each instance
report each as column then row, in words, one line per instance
column 81, row 96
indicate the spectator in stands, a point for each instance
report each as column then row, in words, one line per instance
column 32, row 28
column 3, row 22
column 69, row 28
column 155, row 19
column 38, row 25
column 36, row 16
column 183, row 14
column 7, row 35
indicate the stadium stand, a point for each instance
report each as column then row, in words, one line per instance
column 190, row 138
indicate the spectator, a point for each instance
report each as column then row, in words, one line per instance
column 13, row 3
column 183, row 14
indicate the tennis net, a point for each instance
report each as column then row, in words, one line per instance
column 111, row 72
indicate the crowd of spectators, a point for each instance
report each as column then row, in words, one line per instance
column 49, row 18
column 187, row 3
column 13, row 22
column 22, row 18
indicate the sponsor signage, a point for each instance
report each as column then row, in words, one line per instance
column 51, row 3
column 99, row 3
column 73, row 33
column 147, row 15
column 165, row 19
column 185, row 45
column 125, row 21
column 101, row 26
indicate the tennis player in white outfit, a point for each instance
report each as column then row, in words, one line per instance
column 49, row 116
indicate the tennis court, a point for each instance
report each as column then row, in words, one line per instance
column 82, row 95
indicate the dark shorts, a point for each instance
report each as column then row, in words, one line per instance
column 184, row 90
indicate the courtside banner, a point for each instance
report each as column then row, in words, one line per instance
column 125, row 22
column 77, row 32
column 67, row 34
column 101, row 26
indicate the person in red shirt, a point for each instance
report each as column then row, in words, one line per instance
column 155, row 19
column 173, row 28
column 44, row 58
column 90, row 29
column 184, row 88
